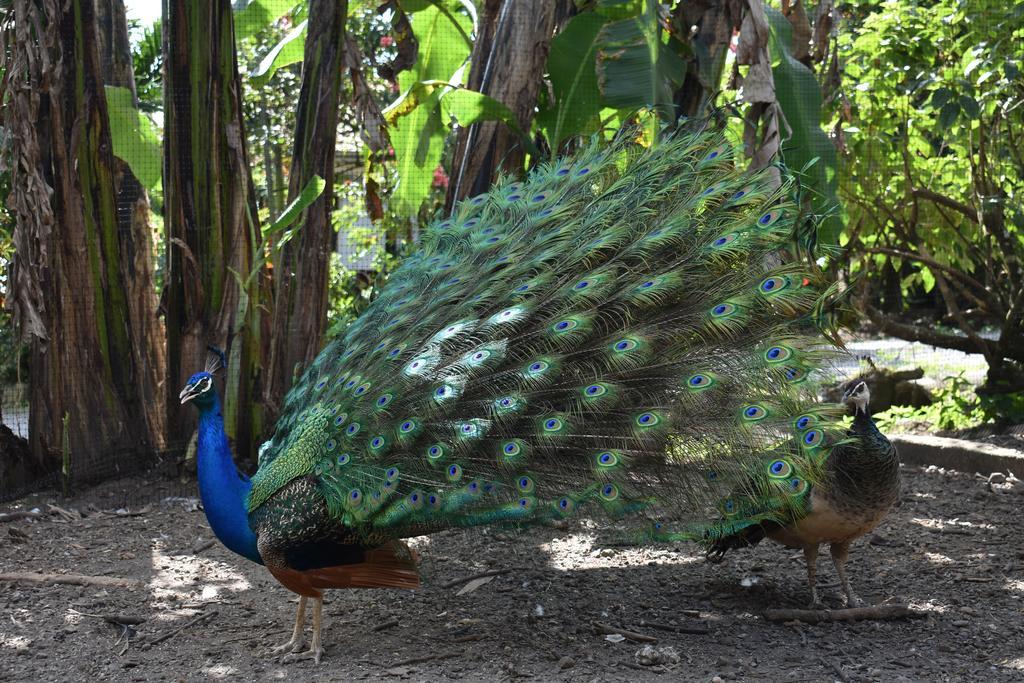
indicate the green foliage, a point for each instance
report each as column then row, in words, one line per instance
column 290, row 50
column 927, row 83
column 418, row 132
column 807, row 146
column 957, row 407
column 136, row 140
column 572, row 70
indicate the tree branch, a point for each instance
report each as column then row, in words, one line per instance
column 908, row 332
column 966, row 210
column 997, row 309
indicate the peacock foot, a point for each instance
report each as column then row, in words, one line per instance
column 293, row 645
column 853, row 601
column 314, row 653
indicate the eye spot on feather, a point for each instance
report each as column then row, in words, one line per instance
column 739, row 194
column 435, row 452
column 565, row 326
column 526, row 485
column 349, row 384
column 583, row 171
column 768, row 218
column 514, row 197
column 562, row 172
column 376, row 443
column 379, row 346
column 521, row 288
column 544, row 213
column 537, row 367
column 698, row 381
column 722, row 310
column 646, row 285
column 384, row 399
column 321, row 384
column 352, row 429
column 813, row 437
column 624, row 345
column 471, row 222
column 552, row 424
column 609, row 491
column 565, row 504
column 407, row 426
column 780, row 469
column 647, row 419
column 331, row 444
column 794, row 375
column 511, row 449
column 362, row 389
column 340, row 420
column 803, row 422
column 539, row 197
column 754, row 413
column 355, row 498
column 770, row 284
column 595, row 390
column 729, row 507
column 454, row 472
column 344, row 459
column 582, row 284
column 478, row 200
column 607, row 459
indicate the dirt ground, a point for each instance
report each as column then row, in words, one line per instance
column 952, row 548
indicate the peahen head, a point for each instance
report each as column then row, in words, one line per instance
column 199, row 390
column 859, row 396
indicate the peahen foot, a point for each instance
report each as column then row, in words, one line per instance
column 315, row 653
column 293, row 645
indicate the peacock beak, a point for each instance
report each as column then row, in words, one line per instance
column 188, row 393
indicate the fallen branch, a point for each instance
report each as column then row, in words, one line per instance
column 171, row 634
column 424, row 658
column 676, row 629
column 386, row 625
column 829, row 664
column 472, row 577
column 72, row 579
column 628, row 635
column 875, row 612
column 19, row 514
column 117, row 619
column 66, row 515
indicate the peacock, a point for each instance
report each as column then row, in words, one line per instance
column 858, row 483
column 636, row 331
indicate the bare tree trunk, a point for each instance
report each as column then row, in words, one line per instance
column 509, row 54
column 210, row 217
column 301, row 269
column 69, row 292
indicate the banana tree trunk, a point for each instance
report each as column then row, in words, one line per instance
column 70, row 295
column 134, row 229
column 210, row 218
column 301, row 267
column 509, row 54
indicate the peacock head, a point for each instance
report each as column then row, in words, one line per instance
column 199, row 390
column 859, row 396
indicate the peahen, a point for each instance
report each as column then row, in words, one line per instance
column 619, row 333
column 857, row 484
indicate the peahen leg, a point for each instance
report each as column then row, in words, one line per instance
column 840, row 551
column 295, row 644
column 811, row 557
column 315, row 651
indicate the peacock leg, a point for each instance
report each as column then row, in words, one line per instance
column 811, row 557
column 315, row 651
column 840, row 551
column 295, row 644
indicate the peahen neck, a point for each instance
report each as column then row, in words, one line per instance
column 222, row 488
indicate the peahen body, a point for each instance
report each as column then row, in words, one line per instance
column 616, row 334
column 859, row 482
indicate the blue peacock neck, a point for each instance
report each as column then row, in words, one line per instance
column 222, row 488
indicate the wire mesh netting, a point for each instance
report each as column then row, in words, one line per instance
column 117, row 305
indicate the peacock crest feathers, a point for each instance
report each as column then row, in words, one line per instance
column 614, row 333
